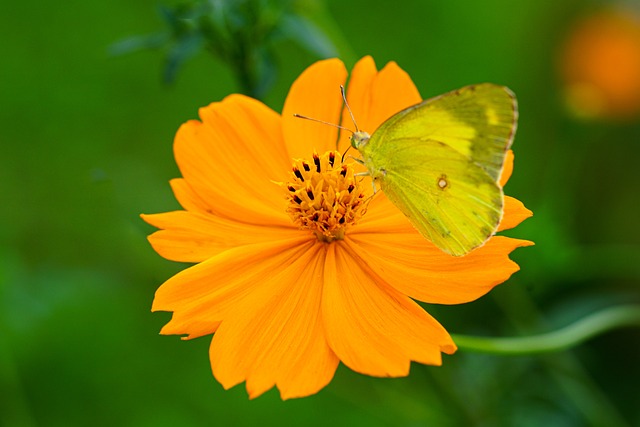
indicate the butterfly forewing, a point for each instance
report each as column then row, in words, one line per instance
column 478, row 121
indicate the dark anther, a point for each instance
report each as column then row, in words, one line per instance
column 343, row 172
column 290, row 188
column 310, row 194
column 351, row 187
column 316, row 160
column 297, row 199
column 306, row 166
column 297, row 173
column 341, row 220
column 315, row 217
column 332, row 158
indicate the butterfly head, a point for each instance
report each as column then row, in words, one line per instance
column 359, row 139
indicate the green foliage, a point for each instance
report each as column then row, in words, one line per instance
column 244, row 34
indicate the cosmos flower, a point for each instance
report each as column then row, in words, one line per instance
column 600, row 65
column 297, row 267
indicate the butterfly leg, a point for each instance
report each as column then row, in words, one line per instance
column 357, row 160
column 373, row 182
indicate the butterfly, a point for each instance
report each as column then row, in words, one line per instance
column 440, row 161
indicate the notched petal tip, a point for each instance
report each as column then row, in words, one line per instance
column 514, row 213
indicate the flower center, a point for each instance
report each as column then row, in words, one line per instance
column 324, row 196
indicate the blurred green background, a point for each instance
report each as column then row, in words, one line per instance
column 86, row 142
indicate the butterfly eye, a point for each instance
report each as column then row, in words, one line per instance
column 359, row 139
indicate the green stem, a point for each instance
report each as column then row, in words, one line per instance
column 561, row 339
column 564, row 368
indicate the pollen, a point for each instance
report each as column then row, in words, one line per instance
column 324, row 196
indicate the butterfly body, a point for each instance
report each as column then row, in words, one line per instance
column 440, row 162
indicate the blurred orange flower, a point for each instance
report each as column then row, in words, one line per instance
column 295, row 277
column 600, row 65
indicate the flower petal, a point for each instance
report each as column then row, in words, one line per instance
column 514, row 213
column 275, row 336
column 315, row 94
column 373, row 328
column 514, row 210
column 417, row 268
column 188, row 198
column 240, row 140
column 507, row 169
column 375, row 96
column 201, row 296
column 194, row 237
column 382, row 216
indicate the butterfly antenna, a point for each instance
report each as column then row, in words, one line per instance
column 344, row 98
column 300, row 116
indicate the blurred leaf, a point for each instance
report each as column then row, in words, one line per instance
column 242, row 33
column 182, row 51
column 307, row 35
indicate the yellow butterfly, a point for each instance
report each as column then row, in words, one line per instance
column 440, row 162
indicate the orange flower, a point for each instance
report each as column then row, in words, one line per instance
column 294, row 278
column 600, row 65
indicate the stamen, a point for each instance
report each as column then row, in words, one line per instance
column 316, row 161
column 326, row 199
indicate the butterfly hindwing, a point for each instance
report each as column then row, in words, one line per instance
column 450, row 200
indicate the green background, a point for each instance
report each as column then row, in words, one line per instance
column 86, row 146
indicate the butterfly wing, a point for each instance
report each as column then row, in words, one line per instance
column 478, row 121
column 440, row 161
column 448, row 198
